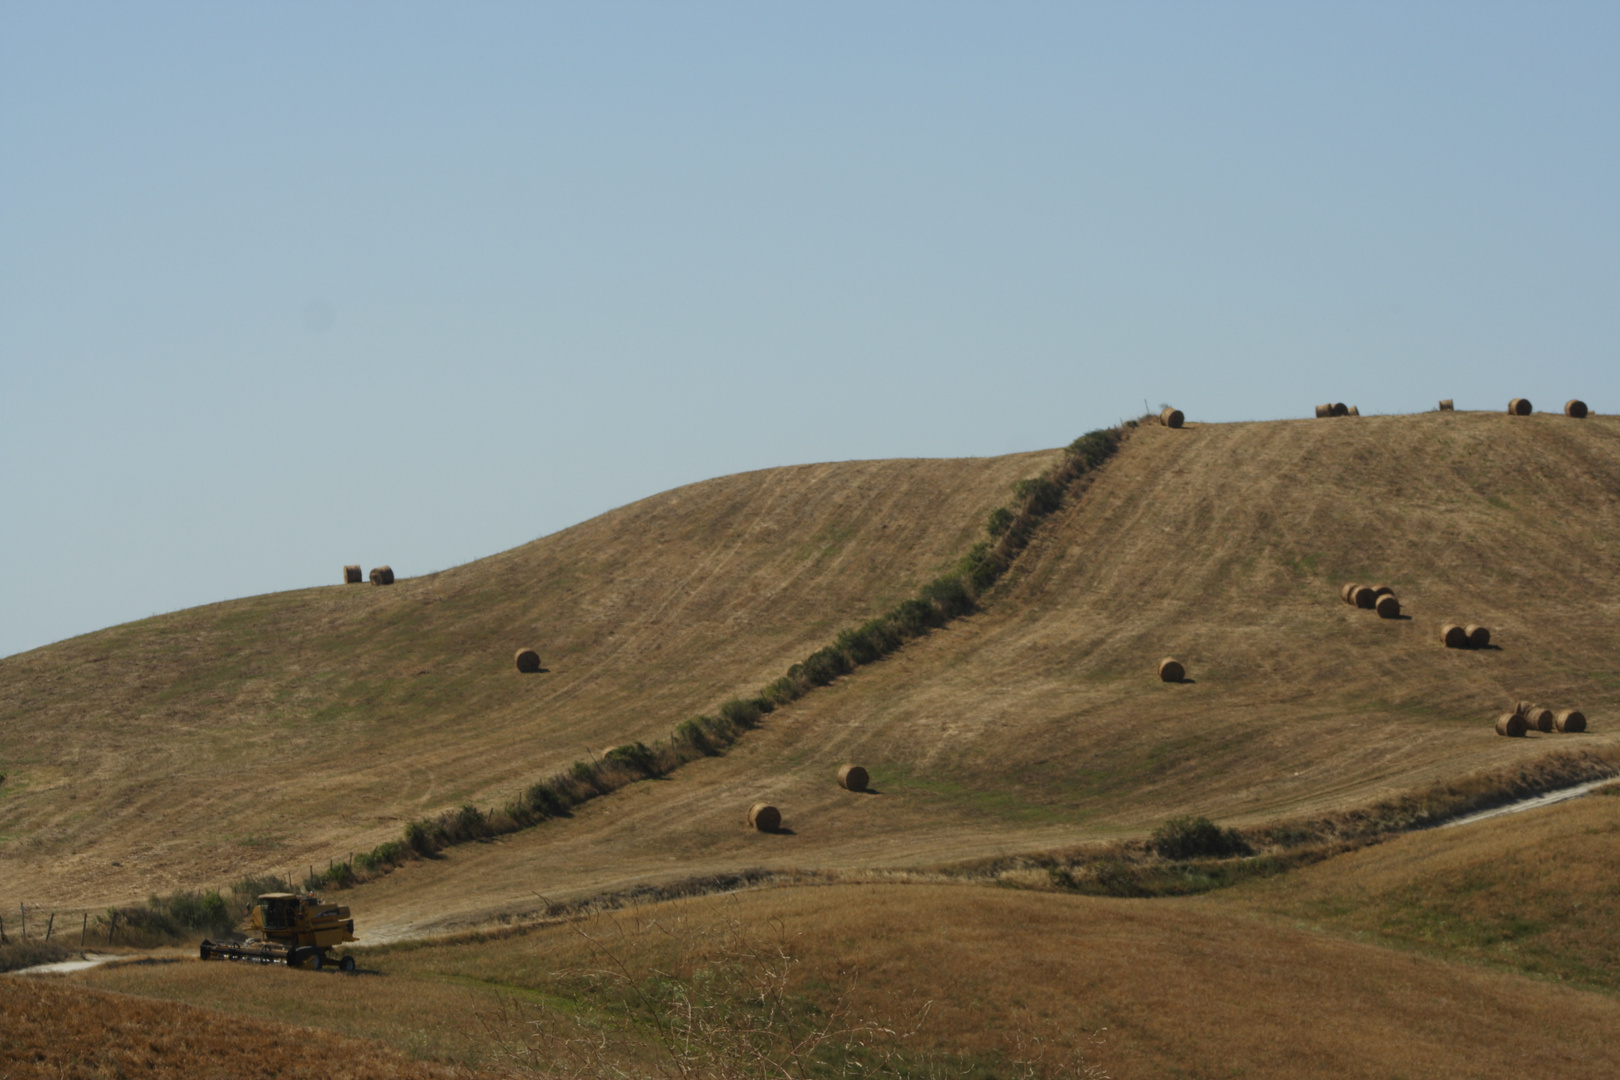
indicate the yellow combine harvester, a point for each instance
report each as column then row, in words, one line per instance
column 290, row 929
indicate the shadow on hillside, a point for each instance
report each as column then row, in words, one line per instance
column 780, row 830
column 1184, row 681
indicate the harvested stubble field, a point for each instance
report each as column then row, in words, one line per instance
column 58, row 1030
column 1034, row 724
column 1037, row 724
column 1196, row 988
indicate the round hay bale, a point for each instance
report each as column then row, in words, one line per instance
column 1365, row 597
column 852, row 778
column 1382, row 590
column 1570, row 720
column 1354, row 411
column 1522, row 707
column 1454, row 636
column 1171, row 670
column 1478, row 636
column 382, row 575
column 527, row 660
column 1446, row 406
column 764, row 817
column 1519, row 407
column 1511, row 725
column 1323, row 411
column 1347, row 592
column 1388, row 607
column 1340, row 409
column 1575, row 408
column 1539, row 719
column 1171, row 417
column 351, row 575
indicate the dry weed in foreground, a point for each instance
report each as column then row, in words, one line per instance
column 51, row 1028
column 724, row 1009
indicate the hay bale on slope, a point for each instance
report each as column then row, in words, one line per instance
column 1365, row 597
column 1324, row 411
column 1571, row 720
column 1454, row 636
column 1478, row 636
column 1353, row 411
column 1510, row 724
column 1538, row 718
column 1522, row 707
column 853, row 778
column 1519, row 407
column 1575, row 409
column 351, row 575
column 1171, row 418
column 1446, row 406
column 1382, row 590
column 1388, row 607
column 1347, row 592
column 764, row 817
column 382, row 575
column 1171, row 670
column 527, row 661
column 1340, row 409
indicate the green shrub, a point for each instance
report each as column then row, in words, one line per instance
column 740, row 713
column 636, row 756
column 1095, row 447
column 1000, row 518
column 949, row 596
column 1197, row 837
column 419, row 835
column 824, row 665
column 1039, row 494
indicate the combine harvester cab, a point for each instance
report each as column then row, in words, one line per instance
column 290, row 929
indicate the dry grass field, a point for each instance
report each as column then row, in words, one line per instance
column 286, row 730
column 61, row 1031
column 281, row 731
column 1192, row 988
column 1537, row 892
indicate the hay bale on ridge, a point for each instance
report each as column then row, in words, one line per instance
column 1575, row 409
column 527, row 661
column 1454, row 636
column 1365, row 597
column 1478, row 636
column 1353, row 411
column 1539, row 718
column 1446, row 406
column 764, row 817
column 1388, row 607
column 853, row 778
column 1340, row 409
column 382, row 575
column 1510, row 724
column 1570, row 720
column 1171, row 670
column 1171, row 418
column 351, row 575
column 1519, row 407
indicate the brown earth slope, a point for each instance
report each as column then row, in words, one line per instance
column 270, row 732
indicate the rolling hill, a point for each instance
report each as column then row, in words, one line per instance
column 269, row 733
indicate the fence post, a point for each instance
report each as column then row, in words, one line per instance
column 3, row 940
column 84, row 929
column 49, row 924
column 24, row 910
column 112, row 922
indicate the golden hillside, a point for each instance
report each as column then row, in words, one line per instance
column 274, row 732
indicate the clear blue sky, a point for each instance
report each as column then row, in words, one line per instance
column 286, row 286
